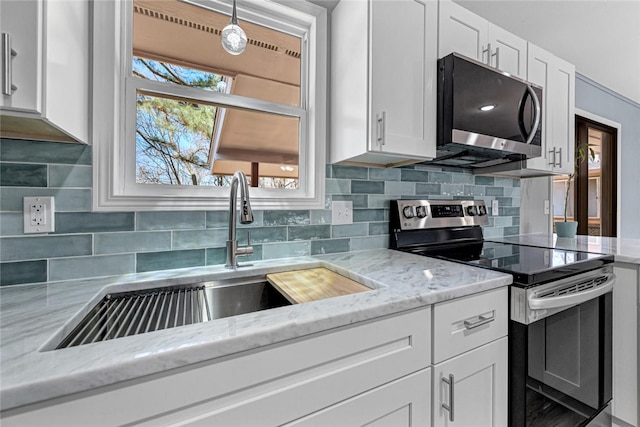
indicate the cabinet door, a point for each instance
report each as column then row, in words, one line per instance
column 404, row 402
column 22, row 21
column 561, row 102
column 479, row 394
column 625, row 343
column 461, row 31
column 539, row 71
column 403, row 71
column 508, row 51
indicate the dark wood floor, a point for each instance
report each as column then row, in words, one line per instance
column 543, row 412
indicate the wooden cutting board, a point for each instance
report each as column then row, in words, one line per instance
column 313, row 284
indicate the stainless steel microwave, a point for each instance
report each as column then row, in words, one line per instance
column 485, row 116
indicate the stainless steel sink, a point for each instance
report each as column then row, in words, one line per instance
column 123, row 314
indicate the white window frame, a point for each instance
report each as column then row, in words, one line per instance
column 114, row 112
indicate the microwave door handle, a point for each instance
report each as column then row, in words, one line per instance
column 536, row 121
column 523, row 129
column 536, row 106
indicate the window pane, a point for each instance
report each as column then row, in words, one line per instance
column 180, row 142
column 188, row 36
column 149, row 69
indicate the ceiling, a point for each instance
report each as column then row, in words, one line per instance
column 601, row 38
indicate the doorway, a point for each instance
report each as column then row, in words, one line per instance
column 593, row 199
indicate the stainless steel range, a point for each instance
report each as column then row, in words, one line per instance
column 560, row 309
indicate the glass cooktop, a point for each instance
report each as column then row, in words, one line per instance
column 529, row 265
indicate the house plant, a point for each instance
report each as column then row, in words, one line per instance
column 568, row 228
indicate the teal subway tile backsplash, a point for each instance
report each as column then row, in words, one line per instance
column 319, row 247
column 152, row 261
column 310, row 232
column 26, row 248
column 179, row 220
column 349, row 230
column 118, row 243
column 91, row 266
column 16, row 273
column 384, row 174
column 91, row 244
column 23, row 175
column 367, row 215
column 11, row 224
column 89, row 222
column 286, row 217
column 349, row 172
column 17, row 150
column 367, row 187
column 286, row 249
column 70, row 176
column 194, row 239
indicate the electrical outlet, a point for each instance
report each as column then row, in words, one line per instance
column 342, row 212
column 39, row 214
column 547, row 207
column 495, row 208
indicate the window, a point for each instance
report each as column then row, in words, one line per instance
column 186, row 114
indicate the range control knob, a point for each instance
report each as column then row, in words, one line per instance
column 421, row 211
column 472, row 211
column 407, row 211
column 482, row 210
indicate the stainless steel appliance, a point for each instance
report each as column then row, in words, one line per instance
column 560, row 309
column 485, row 117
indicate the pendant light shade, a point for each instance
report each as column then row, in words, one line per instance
column 234, row 40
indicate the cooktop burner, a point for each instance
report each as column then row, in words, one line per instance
column 451, row 230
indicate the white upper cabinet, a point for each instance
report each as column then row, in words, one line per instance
column 45, row 72
column 383, row 82
column 464, row 32
column 557, row 77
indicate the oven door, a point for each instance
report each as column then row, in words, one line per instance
column 560, row 361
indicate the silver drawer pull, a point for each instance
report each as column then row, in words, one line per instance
column 482, row 320
column 450, row 407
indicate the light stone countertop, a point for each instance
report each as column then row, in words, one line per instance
column 35, row 317
column 624, row 250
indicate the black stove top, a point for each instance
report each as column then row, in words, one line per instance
column 529, row 265
column 451, row 230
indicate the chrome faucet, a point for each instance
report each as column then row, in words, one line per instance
column 246, row 217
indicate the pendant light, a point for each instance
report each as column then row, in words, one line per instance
column 234, row 40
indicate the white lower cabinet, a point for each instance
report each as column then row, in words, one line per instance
column 375, row 371
column 404, row 402
column 473, row 387
column 470, row 354
column 625, row 343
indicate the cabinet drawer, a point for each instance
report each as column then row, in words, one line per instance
column 466, row 323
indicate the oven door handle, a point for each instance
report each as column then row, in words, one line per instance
column 572, row 299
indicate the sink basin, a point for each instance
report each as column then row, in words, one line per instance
column 123, row 314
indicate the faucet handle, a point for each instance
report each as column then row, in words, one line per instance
column 248, row 237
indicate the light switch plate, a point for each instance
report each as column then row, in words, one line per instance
column 342, row 212
column 495, row 208
column 547, row 208
column 39, row 214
